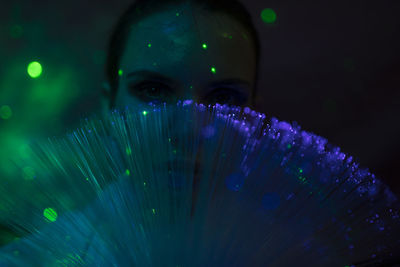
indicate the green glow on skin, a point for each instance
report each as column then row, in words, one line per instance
column 268, row 15
column 5, row 112
column 50, row 214
column 34, row 69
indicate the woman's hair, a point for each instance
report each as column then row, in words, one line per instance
column 139, row 9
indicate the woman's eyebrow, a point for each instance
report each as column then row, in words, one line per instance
column 240, row 84
column 233, row 81
column 148, row 74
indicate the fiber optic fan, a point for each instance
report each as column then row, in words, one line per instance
column 195, row 185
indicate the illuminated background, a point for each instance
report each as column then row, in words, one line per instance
column 332, row 66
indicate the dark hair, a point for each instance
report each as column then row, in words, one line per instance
column 139, row 9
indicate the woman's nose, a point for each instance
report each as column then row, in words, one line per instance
column 186, row 127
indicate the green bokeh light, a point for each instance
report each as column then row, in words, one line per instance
column 120, row 72
column 268, row 15
column 34, row 69
column 128, row 172
column 213, row 70
column 144, row 113
column 50, row 214
column 149, row 45
column 204, row 46
column 5, row 112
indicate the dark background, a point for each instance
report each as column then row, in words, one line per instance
column 332, row 66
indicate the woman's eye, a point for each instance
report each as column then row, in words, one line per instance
column 226, row 96
column 152, row 92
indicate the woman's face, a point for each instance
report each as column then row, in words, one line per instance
column 186, row 53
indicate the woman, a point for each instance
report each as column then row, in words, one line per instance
column 166, row 50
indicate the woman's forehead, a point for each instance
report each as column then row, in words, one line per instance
column 185, row 42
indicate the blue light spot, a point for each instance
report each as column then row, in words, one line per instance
column 271, row 201
column 234, row 182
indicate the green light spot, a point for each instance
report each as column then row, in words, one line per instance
column 289, row 146
column 87, row 179
column 128, row 151
column 144, row 112
column 144, row 183
column 204, row 46
column 149, row 45
column 300, row 170
column 230, row 36
column 174, row 151
column 50, row 214
column 120, row 72
column 191, row 87
column 154, row 64
column 213, row 70
column 128, row 172
column 268, row 15
column 169, row 140
column 34, row 69
column 154, row 211
column 5, row 112
column 29, row 173
column 16, row 252
column 177, row 14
